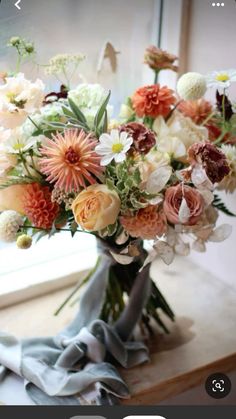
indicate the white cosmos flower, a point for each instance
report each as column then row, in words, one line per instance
column 113, row 146
column 221, row 79
column 17, row 142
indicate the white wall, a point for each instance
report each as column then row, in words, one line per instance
column 212, row 38
column 72, row 26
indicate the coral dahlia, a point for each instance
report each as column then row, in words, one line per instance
column 153, row 101
column 38, row 207
column 147, row 223
column 69, row 160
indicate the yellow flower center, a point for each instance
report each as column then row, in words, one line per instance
column 117, row 148
column 11, row 96
column 222, row 77
column 18, row 146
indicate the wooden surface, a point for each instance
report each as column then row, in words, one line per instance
column 202, row 340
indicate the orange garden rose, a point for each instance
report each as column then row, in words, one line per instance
column 11, row 198
column 153, row 101
column 147, row 223
column 173, row 199
column 96, row 207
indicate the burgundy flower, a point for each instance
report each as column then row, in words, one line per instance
column 55, row 96
column 143, row 138
column 212, row 160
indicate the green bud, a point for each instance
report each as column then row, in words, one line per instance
column 29, row 48
column 15, row 41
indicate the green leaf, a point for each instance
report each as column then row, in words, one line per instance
column 41, row 234
column 73, row 228
column 137, row 177
column 16, row 181
column 77, row 112
column 110, row 184
column 55, row 125
column 219, row 204
column 67, row 112
column 53, row 231
column 101, row 112
column 105, row 122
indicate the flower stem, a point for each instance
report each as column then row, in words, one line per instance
column 34, row 123
column 78, row 286
column 223, row 105
column 208, row 118
column 156, row 76
column 220, row 138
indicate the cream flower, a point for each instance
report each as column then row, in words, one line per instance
column 17, row 142
column 10, row 221
column 177, row 134
column 191, row 86
column 229, row 182
column 96, row 207
column 19, row 97
column 89, row 98
column 221, row 79
column 155, row 171
column 113, row 146
column 6, row 162
column 125, row 111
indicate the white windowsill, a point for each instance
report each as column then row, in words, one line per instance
column 49, row 265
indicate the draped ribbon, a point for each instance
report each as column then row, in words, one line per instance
column 76, row 366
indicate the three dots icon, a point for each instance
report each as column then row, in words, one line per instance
column 218, row 4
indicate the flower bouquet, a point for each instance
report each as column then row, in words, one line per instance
column 151, row 175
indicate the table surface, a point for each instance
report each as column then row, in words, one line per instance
column 202, row 339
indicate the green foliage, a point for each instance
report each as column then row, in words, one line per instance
column 101, row 113
column 126, row 182
column 217, row 203
column 19, row 180
column 77, row 112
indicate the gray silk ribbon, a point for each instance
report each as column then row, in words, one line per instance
column 76, row 366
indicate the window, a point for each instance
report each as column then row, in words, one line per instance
column 85, row 26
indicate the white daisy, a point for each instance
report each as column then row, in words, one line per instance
column 17, row 142
column 113, row 146
column 221, row 79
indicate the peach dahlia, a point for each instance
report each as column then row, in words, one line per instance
column 147, row 223
column 69, row 160
column 38, row 206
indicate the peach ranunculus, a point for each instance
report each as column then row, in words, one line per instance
column 186, row 198
column 96, row 207
column 153, row 101
column 11, row 198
